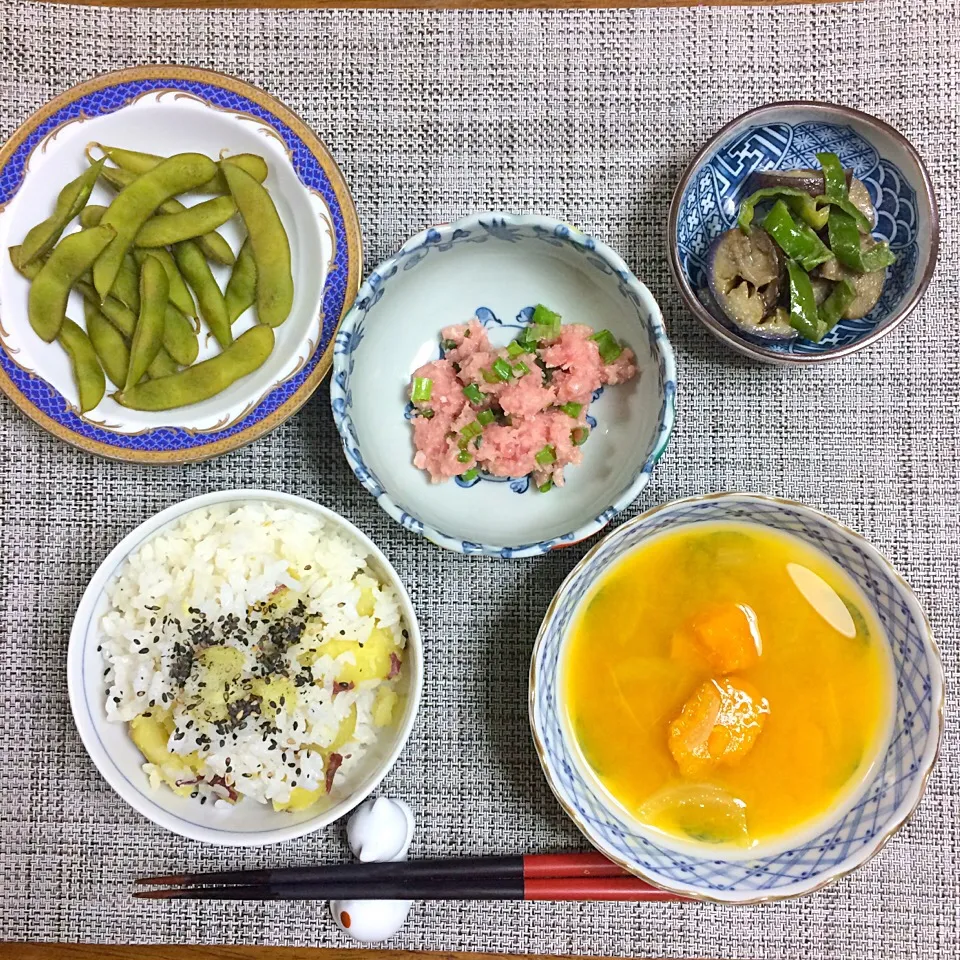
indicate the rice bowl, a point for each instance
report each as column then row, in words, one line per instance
column 245, row 667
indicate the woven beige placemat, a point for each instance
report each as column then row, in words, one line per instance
column 588, row 116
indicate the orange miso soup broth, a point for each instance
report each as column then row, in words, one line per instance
column 729, row 684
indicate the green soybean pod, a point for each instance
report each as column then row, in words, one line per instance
column 41, row 239
column 213, row 245
column 122, row 317
column 205, row 379
column 180, row 295
column 70, row 258
column 110, row 344
column 162, row 365
column 87, row 372
column 196, row 271
column 126, row 288
column 28, row 270
column 168, row 228
column 134, row 205
column 137, row 163
column 148, row 337
column 179, row 337
column 92, row 214
column 242, row 287
column 268, row 240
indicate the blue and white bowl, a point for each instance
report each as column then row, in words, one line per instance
column 497, row 267
column 860, row 830
column 786, row 136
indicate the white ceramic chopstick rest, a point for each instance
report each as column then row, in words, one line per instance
column 378, row 831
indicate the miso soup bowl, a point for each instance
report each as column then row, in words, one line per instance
column 856, row 832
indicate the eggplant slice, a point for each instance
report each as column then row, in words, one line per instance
column 746, row 275
column 809, row 180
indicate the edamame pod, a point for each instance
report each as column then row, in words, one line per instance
column 212, row 244
column 268, row 240
column 92, row 214
column 28, row 270
column 87, row 373
column 196, row 271
column 71, row 258
column 122, row 317
column 126, row 288
column 109, row 343
column 148, row 337
column 179, row 337
column 206, row 379
column 133, row 206
column 169, row 228
column 242, row 287
column 41, row 239
column 163, row 365
column 180, row 295
column 137, row 163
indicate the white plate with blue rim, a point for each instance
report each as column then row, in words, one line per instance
column 849, row 835
column 166, row 110
column 498, row 267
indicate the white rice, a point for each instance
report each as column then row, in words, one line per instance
column 222, row 561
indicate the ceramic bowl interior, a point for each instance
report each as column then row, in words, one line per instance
column 498, row 267
column 859, row 830
column 786, row 136
column 112, row 750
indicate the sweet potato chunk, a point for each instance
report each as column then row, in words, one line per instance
column 718, row 725
column 727, row 636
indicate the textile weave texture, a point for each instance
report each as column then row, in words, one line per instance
column 588, row 116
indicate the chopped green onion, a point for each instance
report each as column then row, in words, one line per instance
column 545, row 316
column 515, row 348
column 471, row 430
column 464, row 456
column 427, row 414
column 546, row 456
column 422, row 388
column 485, row 417
column 834, row 176
column 473, row 393
column 608, row 346
column 579, row 436
column 546, row 486
column 502, row 369
column 448, row 345
column 490, row 376
column 470, row 474
column 520, row 369
column 572, row 409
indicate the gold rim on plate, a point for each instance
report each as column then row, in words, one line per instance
column 351, row 223
column 868, row 853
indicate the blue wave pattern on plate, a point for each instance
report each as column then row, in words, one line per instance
column 898, row 770
column 709, row 207
column 441, row 240
column 39, row 393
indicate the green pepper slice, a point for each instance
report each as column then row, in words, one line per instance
column 845, row 243
column 831, row 310
column 803, row 304
column 796, row 240
column 834, row 176
column 799, row 201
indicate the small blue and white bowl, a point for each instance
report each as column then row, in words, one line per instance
column 497, row 267
column 850, row 838
column 787, row 136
